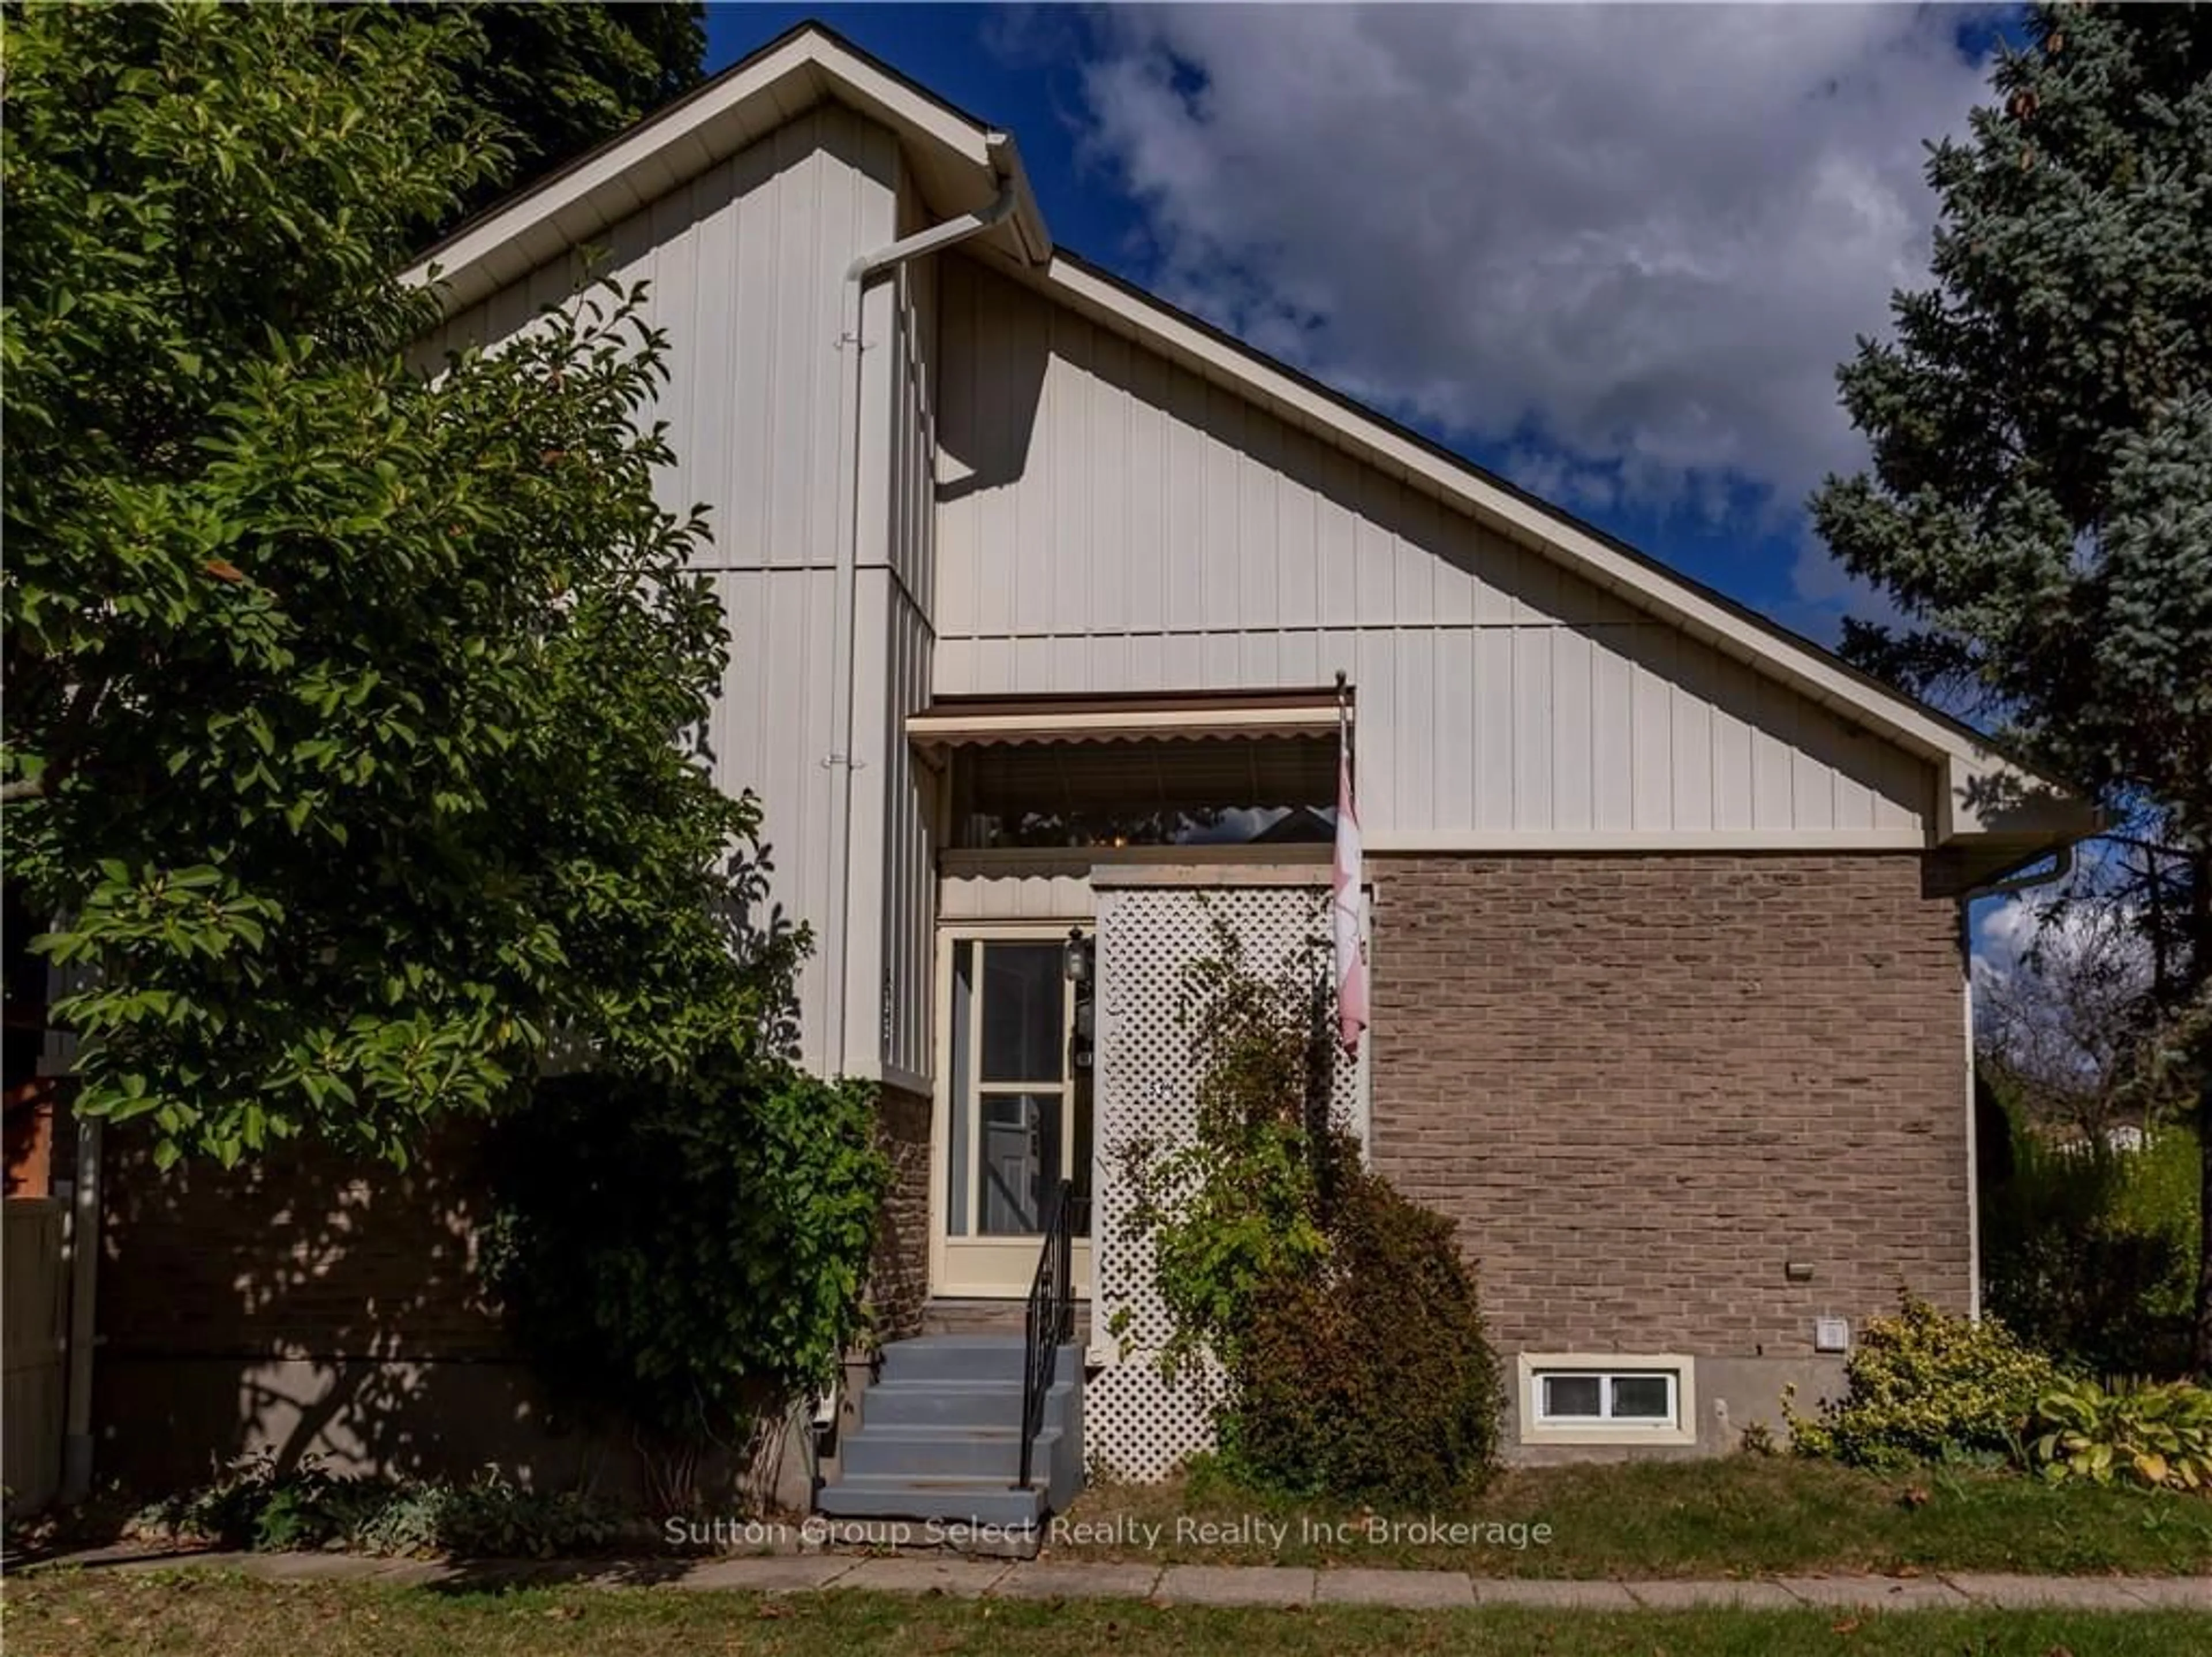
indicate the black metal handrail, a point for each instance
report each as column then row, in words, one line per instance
column 1051, row 1319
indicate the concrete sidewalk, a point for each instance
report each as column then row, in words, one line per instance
column 1203, row 1584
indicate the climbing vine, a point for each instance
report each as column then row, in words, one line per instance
column 1338, row 1315
column 1239, row 1206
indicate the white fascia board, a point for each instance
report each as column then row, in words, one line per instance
column 1984, row 795
column 1028, row 217
column 702, row 130
column 951, row 728
column 1384, row 844
column 1803, row 667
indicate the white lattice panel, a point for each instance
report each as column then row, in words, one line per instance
column 1136, row 1425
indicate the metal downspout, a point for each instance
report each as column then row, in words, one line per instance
column 83, row 1288
column 837, row 930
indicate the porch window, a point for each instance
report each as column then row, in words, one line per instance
column 1239, row 790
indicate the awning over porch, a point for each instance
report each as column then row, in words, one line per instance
column 1064, row 771
column 968, row 721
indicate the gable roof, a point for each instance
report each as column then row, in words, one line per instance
column 956, row 159
column 959, row 162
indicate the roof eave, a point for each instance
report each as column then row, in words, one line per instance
column 1986, row 792
column 958, row 163
column 1988, row 797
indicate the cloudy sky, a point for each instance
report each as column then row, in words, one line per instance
column 1613, row 252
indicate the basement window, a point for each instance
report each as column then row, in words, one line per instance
column 1571, row 1398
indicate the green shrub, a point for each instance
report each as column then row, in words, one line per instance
column 490, row 1519
column 685, row 1260
column 1338, row 1316
column 2088, row 1252
column 1926, row 1387
column 255, row 1506
column 1374, row 1378
column 259, row 1508
column 2158, row 1436
column 2161, row 1191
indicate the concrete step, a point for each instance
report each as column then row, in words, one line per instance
column 939, row 1436
column 980, row 1317
column 948, row 1500
column 944, row 1403
column 941, row 1453
column 968, row 1358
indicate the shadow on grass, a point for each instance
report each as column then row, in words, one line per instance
column 478, row 1576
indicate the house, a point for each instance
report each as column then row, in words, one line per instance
column 1051, row 606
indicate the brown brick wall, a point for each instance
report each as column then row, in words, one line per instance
column 308, row 1302
column 898, row 1278
column 302, row 1253
column 306, row 1252
column 1641, row 1085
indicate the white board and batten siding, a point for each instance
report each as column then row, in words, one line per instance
column 1111, row 521
column 1047, row 506
column 745, row 268
column 894, row 885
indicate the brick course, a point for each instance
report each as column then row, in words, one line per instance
column 302, row 1253
column 898, row 1277
column 1642, row 1084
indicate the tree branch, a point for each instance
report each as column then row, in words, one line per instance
column 62, row 758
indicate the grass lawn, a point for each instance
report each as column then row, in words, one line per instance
column 87, row 1613
column 1741, row 1516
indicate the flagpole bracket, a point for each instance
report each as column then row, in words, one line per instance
column 1344, row 714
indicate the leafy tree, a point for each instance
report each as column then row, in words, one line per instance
column 555, row 80
column 2059, row 1026
column 350, row 711
column 2040, row 504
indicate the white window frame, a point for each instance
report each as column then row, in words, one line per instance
column 1679, row 1372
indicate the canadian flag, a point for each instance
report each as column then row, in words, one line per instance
column 1347, row 905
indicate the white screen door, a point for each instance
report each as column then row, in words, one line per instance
column 1017, row 1115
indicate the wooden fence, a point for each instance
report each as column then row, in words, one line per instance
column 32, row 1299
